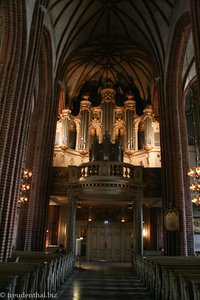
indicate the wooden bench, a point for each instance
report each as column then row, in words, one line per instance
column 165, row 276
column 27, row 276
column 53, row 273
column 172, row 286
column 35, row 272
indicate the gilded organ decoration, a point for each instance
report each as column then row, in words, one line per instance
column 119, row 116
column 96, row 116
column 108, row 93
column 108, row 132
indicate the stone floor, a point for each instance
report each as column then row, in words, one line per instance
column 103, row 280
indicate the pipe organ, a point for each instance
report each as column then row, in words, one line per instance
column 107, row 132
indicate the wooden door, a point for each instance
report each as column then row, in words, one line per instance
column 109, row 241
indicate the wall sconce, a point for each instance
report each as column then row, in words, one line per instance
column 144, row 232
column 25, row 185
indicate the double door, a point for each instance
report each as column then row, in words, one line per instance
column 111, row 241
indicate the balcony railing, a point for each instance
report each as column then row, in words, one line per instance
column 107, row 169
column 106, row 175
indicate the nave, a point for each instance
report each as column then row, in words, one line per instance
column 103, row 280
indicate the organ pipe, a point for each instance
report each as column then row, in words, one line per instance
column 130, row 114
column 65, row 126
column 107, row 125
column 108, row 104
column 148, row 127
column 85, row 117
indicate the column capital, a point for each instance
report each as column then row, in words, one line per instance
column 108, row 94
column 85, row 103
column 66, row 113
column 130, row 104
column 148, row 111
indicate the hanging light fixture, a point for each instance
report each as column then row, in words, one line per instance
column 25, row 185
column 195, row 185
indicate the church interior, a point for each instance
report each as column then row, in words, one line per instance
column 100, row 146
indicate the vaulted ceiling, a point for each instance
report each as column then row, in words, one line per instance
column 123, row 40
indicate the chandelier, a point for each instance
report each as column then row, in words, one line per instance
column 25, row 185
column 195, row 185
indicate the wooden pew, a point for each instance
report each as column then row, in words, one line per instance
column 58, row 266
column 172, row 286
column 164, row 275
column 196, row 288
column 49, row 281
column 162, row 278
column 35, row 272
column 27, row 276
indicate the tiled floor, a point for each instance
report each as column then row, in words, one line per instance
column 103, row 280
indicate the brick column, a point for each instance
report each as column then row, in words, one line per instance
column 175, row 146
column 27, row 116
column 12, row 62
column 41, row 152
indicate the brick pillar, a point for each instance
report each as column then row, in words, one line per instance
column 12, row 62
column 175, row 162
column 186, row 182
column 169, row 238
column 175, row 146
column 15, row 94
column 41, row 152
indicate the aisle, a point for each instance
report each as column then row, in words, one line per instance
column 103, row 280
